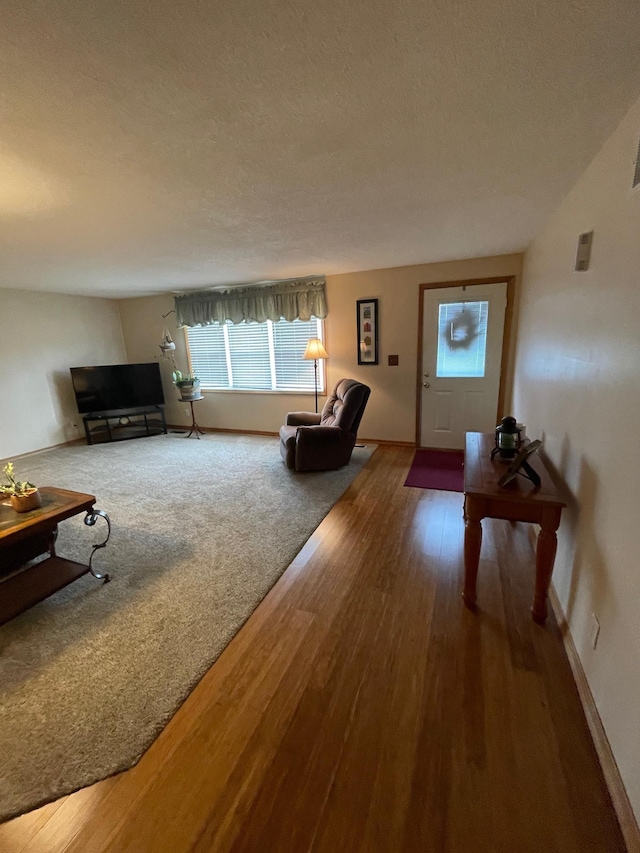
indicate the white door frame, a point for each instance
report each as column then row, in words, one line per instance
column 506, row 340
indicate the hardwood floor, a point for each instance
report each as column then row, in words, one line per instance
column 363, row 708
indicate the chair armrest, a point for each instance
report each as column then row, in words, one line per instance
column 308, row 436
column 302, row 419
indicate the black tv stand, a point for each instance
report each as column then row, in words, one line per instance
column 121, row 424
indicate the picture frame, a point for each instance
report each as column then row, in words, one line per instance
column 520, row 462
column 367, row 328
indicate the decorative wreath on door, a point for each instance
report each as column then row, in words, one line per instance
column 463, row 330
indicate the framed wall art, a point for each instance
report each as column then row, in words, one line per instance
column 367, row 319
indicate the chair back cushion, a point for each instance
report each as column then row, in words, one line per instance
column 345, row 407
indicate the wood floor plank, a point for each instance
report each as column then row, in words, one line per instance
column 365, row 809
column 68, row 820
column 18, row 833
column 167, row 814
column 362, row 708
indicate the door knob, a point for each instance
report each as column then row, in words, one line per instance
column 426, row 385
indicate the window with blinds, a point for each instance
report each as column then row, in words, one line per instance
column 248, row 356
column 254, row 356
column 462, row 339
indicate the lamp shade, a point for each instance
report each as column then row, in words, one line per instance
column 315, row 349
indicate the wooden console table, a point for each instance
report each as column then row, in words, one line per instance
column 27, row 536
column 520, row 500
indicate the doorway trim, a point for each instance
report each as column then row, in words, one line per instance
column 506, row 339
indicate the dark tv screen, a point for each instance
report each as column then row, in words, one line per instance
column 117, row 386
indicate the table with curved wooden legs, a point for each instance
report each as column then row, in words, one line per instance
column 520, row 500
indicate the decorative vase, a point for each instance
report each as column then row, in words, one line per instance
column 189, row 390
column 26, row 501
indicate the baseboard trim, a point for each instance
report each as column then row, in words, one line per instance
column 383, row 442
column 187, row 427
column 42, row 450
column 617, row 790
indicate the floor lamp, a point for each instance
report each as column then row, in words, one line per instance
column 315, row 350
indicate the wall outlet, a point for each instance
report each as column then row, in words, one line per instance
column 186, row 410
column 595, row 630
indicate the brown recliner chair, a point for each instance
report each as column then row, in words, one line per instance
column 321, row 442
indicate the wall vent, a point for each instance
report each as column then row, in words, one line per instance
column 636, row 175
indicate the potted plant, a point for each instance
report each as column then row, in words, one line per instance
column 24, row 495
column 187, row 383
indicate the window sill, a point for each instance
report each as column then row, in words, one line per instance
column 277, row 393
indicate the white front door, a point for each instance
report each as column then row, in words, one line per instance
column 462, row 335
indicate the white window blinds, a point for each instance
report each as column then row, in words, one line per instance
column 462, row 339
column 249, row 356
column 208, row 355
column 290, row 341
column 254, row 356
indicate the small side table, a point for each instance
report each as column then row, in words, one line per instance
column 519, row 501
column 194, row 426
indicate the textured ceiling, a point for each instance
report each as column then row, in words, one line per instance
column 158, row 146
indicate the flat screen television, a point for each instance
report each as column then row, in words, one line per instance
column 117, row 386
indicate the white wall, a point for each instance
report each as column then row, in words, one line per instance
column 391, row 411
column 577, row 384
column 42, row 336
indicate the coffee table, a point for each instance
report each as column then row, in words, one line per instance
column 28, row 536
column 520, row 500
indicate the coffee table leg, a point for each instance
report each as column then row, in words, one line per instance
column 545, row 556
column 90, row 519
column 472, row 546
column 53, row 535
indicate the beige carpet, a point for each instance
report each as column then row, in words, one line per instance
column 201, row 531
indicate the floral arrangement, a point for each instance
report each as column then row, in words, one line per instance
column 15, row 487
column 180, row 378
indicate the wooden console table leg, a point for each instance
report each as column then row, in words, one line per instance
column 472, row 546
column 545, row 556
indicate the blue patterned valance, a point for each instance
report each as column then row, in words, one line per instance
column 292, row 299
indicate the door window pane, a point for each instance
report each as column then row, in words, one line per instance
column 462, row 339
